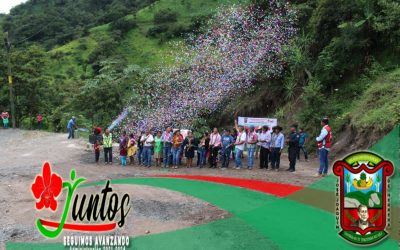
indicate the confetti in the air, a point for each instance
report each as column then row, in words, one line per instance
column 215, row 67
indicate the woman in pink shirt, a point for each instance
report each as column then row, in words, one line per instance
column 215, row 145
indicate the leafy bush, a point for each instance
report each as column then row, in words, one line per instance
column 156, row 30
column 165, row 16
column 177, row 31
column 197, row 22
column 123, row 25
column 379, row 107
column 26, row 123
column 314, row 100
column 200, row 126
column 387, row 21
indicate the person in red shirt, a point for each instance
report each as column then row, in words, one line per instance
column 39, row 119
column 123, row 148
column 97, row 151
column 5, row 116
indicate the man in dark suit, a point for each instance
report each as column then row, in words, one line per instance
column 363, row 216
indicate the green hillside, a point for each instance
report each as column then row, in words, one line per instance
column 137, row 47
column 91, row 58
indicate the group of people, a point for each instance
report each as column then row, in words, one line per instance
column 5, row 117
column 168, row 148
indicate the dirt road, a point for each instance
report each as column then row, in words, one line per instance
column 22, row 154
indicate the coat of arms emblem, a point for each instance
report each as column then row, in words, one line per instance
column 363, row 199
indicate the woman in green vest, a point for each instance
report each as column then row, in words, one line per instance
column 107, row 145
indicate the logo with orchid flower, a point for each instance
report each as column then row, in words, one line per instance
column 48, row 187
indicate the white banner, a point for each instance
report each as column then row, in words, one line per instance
column 256, row 122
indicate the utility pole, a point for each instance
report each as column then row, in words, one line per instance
column 10, row 80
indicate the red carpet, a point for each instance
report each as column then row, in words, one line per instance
column 277, row 189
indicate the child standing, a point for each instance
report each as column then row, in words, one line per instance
column 131, row 149
column 123, row 148
column 97, row 151
column 5, row 116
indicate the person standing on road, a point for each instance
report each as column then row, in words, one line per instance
column 148, row 141
column 277, row 145
column 158, row 148
column 293, row 142
column 71, row 128
column 123, row 148
column 251, row 146
column 140, row 148
column 5, row 116
column 39, row 119
column 167, row 144
column 177, row 141
column 203, row 148
column 189, row 145
column 215, row 145
column 324, row 141
column 96, row 147
column 239, row 145
column 227, row 144
column 131, row 149
column 107, row 145
column 265, row 140
column 234, row 136
column 302, row 141
column 258, row 145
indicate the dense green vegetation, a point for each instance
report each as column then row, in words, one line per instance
column 91, row 56
column 343, row 65
column 349, row 47
column 92, row 75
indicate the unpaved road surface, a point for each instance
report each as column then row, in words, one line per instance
column 22, row 154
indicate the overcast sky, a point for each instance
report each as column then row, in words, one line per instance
column 6, row 5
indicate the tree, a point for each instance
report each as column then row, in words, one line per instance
column 100, row 98
column 348, row 183
column 32, row 90
column 378, row 182
column 165, row 16
column 123, row 25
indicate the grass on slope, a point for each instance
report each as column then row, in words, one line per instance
column 69, row 60
column 186, row 9
column 378, row 108
column 136, row 47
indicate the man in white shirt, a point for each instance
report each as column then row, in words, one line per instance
column 265, row 141
column 239, row 145
column 148, row 141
